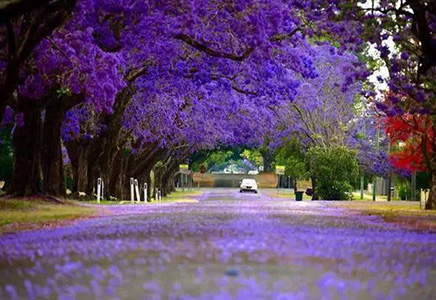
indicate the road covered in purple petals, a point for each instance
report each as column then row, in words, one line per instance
column 225, row 246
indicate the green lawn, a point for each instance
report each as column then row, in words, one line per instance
column 405, row 213
column 177, row 196
column 284, row 193
column 29, row 213
column 368, row 196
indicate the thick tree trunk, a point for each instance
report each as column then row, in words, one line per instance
column 117, row 181
column 26, row 177
column 167, row 178
column 267, row 160
column 51, row 159
column 148, row 181
column 431, row 202
column 78, row 152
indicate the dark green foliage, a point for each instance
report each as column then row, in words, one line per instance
column 292, row 157
column 6, row 155
column 335, row 170
column 423, row 181
column 404, row 190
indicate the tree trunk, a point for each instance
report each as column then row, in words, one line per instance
column 267, row 160
column 167, row 179
column 26, row 177
column 313, row 179
column 51, row 160
column 431, row 202
column 118, row 178
column 78, row 152
column 2, row 111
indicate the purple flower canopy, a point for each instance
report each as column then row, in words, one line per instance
column 255, row 60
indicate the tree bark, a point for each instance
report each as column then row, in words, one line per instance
column 26, row 177
column 117, row 180
column 51, row 159
column 78, row 151
column 431, row 202
column 167, row 178
column 267, row 160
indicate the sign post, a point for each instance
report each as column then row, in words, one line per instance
column 184, row 169
column 102, row 189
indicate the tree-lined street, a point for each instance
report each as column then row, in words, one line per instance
column 117, row 117
column 225, row 246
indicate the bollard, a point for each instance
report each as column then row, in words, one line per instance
column 132, row 190
column 138, row 195
column 98, row 189
column 145, row 192
column 102, row 190
column 156, row 197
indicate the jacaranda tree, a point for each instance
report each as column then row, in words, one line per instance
column 124, row 85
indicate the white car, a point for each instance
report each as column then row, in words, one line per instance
column 248, row 185
column 253, row 172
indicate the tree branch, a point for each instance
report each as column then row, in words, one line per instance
column 281, row 37
column 134, row 74
column 203, row 48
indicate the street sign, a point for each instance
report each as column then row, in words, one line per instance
column 280, row 170
column 184, row 169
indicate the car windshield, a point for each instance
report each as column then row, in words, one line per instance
column 248, row 181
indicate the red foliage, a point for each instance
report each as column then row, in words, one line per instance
column 416, row 132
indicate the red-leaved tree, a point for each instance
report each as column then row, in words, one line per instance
column 413, row 135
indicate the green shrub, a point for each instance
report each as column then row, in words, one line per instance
column 403, row 191
column 335, row 170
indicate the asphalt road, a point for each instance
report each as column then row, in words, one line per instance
column 225, row 246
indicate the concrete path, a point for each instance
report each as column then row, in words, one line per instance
column 226, row 246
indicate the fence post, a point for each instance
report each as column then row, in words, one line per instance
column 138, row 195
column 99, row 181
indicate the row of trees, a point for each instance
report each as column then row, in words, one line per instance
column 123, row 85
column 126, row 85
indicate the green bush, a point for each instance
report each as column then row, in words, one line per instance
column 6, row 155
column 335, row 170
